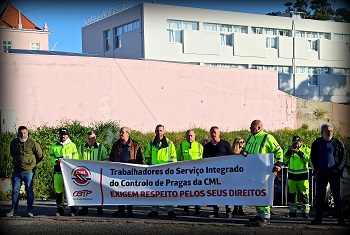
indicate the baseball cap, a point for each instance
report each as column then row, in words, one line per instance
column 63, row 131
column 296, row 139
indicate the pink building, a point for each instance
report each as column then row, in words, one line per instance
column 18, row 32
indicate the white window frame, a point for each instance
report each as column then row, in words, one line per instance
column 175, row 28
column 312, row 80
column 6, row 44
column 34, row 45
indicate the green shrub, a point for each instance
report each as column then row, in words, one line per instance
column 108, row 132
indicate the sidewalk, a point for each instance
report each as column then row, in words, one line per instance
column 45, row 209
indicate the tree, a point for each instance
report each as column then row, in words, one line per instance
column 318, row 10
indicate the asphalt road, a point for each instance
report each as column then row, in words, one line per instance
column 45, row 222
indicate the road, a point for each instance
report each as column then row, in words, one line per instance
column 45, row 223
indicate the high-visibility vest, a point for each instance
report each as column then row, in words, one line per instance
column 298, row 163
column 262, row 143
column 158, row 154
column 97, row 152
column 189, row 151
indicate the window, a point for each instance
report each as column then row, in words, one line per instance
column 118, row 31
column 34, row 46
column 315, row 35
column 271, row 42
column 107, row 39
column 279, row 69
column 312, row 80
column 341, row 37
column 225, row 39
column 312, row 45
column 6, row 45
column 174, row 28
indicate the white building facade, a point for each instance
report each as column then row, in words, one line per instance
column 312, row 57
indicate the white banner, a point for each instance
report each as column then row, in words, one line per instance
column 227, row 180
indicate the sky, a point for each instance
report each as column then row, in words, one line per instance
column 65, row 18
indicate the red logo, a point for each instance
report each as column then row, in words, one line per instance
column 81, row 176
column 82, row 193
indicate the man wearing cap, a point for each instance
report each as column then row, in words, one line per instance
column 92, row 151
column 297, row 157
column 63, row 148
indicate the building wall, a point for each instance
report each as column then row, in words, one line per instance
column 21, row 38
column 45, row 89
column 132, row 47
column 203, row 47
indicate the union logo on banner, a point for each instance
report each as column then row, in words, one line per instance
column 81, row 175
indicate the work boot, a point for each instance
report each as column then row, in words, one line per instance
column 197, row 210
column 129, row 213
column 241, row 212
column 60, row 211
column 119, row 213
column 73, row 211
column 305, row 215
column 84, row 211
column 171, row 214
column 186, row 211
column 214, row 215
column 153, row 214
column 228, row 213
column 263, row 222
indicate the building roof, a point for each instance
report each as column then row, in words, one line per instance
column 9, row 19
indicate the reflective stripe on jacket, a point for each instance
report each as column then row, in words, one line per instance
column 158, row 154
column 189, row 151
column 298, row 163
column 97, row 152
column 262, row 143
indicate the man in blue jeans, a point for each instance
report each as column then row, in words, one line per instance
column 26, row 153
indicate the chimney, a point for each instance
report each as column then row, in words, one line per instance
column 19, row 20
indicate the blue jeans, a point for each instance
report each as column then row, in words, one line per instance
column 17, row 179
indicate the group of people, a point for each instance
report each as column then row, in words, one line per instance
column 327, row 155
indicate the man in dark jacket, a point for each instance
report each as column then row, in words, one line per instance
column 216, row 148
column 26, row 153
column 328, row 158
column 125, row 150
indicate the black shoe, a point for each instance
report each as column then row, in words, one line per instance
column 341, row 221
column 256, row 218
column 305, row 215
column 119, row 213
column 130, row 214
column 171, row 214
column 214, row 215
column 263, row 222
column 316, row 221
column 83, row 211
column 73, row 211
column 234, row 212
column 241, row 212
column 153, row 214
column 100, row 211
column 292, row 215
column 59, row 212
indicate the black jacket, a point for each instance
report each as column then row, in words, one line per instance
column 339, row 154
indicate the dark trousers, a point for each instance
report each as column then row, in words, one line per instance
column 321, row 187
column 122, row 208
